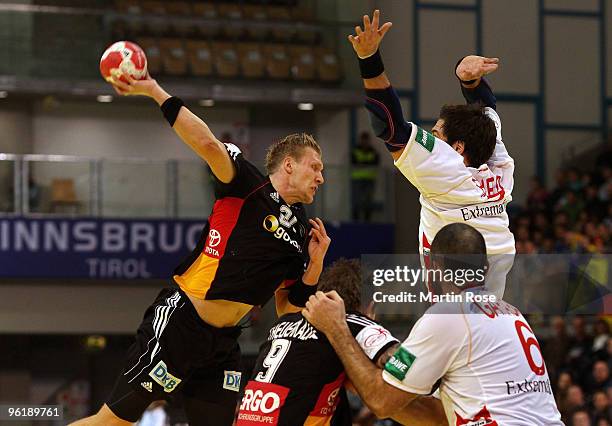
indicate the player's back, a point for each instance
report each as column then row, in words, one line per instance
column 498, row 373
column 298, row 378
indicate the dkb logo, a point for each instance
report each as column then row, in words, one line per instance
column 166, row 380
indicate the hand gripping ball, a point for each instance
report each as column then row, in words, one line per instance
column 123, row 58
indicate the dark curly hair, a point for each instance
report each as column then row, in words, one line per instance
column 468, row 123
column 344, row 276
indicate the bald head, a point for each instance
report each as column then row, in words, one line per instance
column 458, row 238
column 459, row 247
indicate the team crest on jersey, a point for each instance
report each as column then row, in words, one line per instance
column 425, row 139
column 482, row 418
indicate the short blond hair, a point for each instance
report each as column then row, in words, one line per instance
column 290, row 146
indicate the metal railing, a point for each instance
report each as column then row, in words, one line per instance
column 37, row 184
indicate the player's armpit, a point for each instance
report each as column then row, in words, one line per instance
column 423, row 411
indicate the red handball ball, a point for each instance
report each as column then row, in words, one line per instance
column 123, row 58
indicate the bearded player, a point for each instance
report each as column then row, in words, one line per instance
column 482, row 357
column 257, row 244
column 462, row 168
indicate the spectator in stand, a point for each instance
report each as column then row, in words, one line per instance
column 574, row 180
column 560, row 188
column 581, row 418
column 601, row 339
column 556, row 347
column 594, row 206
column 571, row 205
column 606, row 183
column 560, row 238
column 538, row 196
column 579, row 351
column 573, row 401
column 364, row 161
column 600, row 377
column 564, row 382
column 601, row 406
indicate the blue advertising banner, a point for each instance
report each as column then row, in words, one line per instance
column 94, row 248
column 134, row 248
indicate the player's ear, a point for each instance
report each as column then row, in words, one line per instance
column 459, row 146
column 288, row 165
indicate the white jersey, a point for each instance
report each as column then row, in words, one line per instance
column 452, row 192
column 488, row 361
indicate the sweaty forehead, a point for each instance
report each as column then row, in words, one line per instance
column 311, row 156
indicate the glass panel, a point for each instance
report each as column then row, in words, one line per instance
column 371, row 199
column 7, row 168
column 59, row 187
column 336, row 194
column 195, row 191
column 342, row 199
column 133, row 189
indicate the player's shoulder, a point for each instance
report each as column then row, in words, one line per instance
column 445, row 320
column 248, row 177
column 290, row 317
column 359, row 319
column 359, row 324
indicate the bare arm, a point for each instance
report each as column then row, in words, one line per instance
column 189, row 127
column 326, row 313
column 423, row 411
column 382, row 101
column 472, row 69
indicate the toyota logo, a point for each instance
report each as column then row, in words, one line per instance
column 214, row 238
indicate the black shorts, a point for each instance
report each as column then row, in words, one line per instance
column 176, row 351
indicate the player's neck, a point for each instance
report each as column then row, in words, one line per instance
column 283, row 188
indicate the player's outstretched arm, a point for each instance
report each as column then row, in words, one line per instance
column 382, row 101
column 189, row 127
column 475, row 88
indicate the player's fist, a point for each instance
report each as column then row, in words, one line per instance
column 326, row 312
column 474, row 67
column 366, row 41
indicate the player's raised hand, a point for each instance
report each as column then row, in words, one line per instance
column 133, row 87
column 474, row 67
column 319, row 241
column 366, row 41
column 325, row 311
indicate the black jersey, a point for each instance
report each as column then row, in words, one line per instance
column 253, row 242
column 298, row 377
